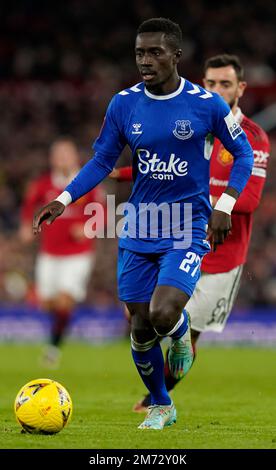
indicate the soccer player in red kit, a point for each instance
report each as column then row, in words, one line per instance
column 216, row 290
column 66, row 256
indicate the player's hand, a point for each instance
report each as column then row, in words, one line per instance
column 219, row 227
column 77, row 232
column 49, row 213
column 213, row 200
column 115, row 173
column 25, row 233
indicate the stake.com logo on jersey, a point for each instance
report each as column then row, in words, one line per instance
column 159, row 169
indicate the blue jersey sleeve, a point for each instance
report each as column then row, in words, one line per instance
column 235, row 141
column 108, row 147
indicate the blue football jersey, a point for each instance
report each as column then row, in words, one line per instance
column 170, row 137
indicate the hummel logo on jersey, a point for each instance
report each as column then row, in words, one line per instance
column 183, row 129
column 136, row 127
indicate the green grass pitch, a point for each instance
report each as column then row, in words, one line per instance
column 227, row 401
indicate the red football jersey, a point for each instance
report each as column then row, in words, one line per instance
column 125, row 173
column 234, row 250
column 60, row 238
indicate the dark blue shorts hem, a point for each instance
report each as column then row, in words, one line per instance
column 129, row 298
column 163, row 282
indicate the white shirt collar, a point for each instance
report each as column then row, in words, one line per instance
column 170, row 95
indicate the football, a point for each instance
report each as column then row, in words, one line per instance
column 43, row 406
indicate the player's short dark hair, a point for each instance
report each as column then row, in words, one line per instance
column 171, row 30
column 222, row 60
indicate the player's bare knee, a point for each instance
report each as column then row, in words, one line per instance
column 141, row 331
column 163, row 319
column 46, row 305
column 64, row 301
column 138, row 309
column 142, row 336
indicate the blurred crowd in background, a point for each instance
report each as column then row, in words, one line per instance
column 59, row 67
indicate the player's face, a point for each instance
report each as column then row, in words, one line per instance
column 64, row 158
column 224, row 81
column 156, row 61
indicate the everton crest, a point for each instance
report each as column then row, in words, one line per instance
column 183, row 129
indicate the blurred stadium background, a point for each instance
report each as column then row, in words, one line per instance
column 60, row 63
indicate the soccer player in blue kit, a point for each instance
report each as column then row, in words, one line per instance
column 168, row 123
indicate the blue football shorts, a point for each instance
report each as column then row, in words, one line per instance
column 140, row 273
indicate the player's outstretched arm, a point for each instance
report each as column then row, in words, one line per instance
column 49, row 213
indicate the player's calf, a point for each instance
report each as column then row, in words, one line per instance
column 142, row 405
